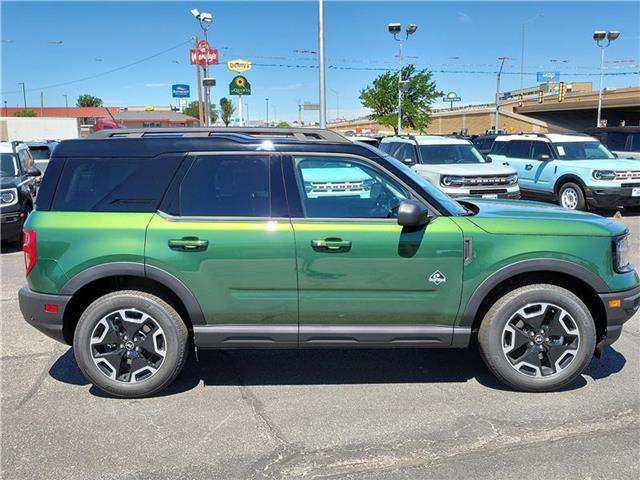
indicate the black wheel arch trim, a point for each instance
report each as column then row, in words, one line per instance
column 568, row 178
column 528, row 266
column 135, row 269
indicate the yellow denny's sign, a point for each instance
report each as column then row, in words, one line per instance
column 239, row 65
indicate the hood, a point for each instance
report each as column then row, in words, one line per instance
column 519, row 217
column 9, row 182
column 604, row 164
column 467, row 169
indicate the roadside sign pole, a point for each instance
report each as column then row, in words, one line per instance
column 199, row 81
column 497, row 126
column 241, row 118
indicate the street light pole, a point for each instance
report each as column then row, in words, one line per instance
column 522, row 50
column 497, row 122
column 599, row 36
column 267, row 100
column 205, row 19
column 394, row 28
column 24, row 94
column 66, row 103
column 199, row 82
column 323, row 92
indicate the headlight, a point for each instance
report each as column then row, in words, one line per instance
column 8, row 197
column 621, row 254
column 512, row 179
column 604, row 174
column 450, row 180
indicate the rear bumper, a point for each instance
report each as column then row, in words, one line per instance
column 616, row 317
column 611, row 197
column 32, row 308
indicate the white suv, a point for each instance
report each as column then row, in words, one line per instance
column 454, row 165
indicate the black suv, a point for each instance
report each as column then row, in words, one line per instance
column 623, row 141
column 17, row 188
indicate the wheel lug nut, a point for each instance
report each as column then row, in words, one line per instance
column 122, row 345
column 531, row 344
column 137, row 349
column 531, row 334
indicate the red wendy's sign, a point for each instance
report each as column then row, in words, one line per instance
column 204, row 54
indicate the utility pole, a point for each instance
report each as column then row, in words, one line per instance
column 199, row 81
column 497, row 122
column 24, row 94
column 267, row 100
column 42, row 104
column 66, row 104
column 323, row 93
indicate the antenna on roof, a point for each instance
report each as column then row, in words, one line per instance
column 112, row 118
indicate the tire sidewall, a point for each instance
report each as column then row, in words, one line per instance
column 581, row 201
column 161, row 312
column 490, row 336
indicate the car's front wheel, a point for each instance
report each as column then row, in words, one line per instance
column 537, row 338
column 571, row 197
column 130, row 343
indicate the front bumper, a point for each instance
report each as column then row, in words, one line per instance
column 612, row 197
column 32, row 308
column 12, row 222
column 616, row 317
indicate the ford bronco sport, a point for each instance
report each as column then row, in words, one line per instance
column 144, row 242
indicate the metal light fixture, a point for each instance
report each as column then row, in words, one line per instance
column 395, row 29
column 599, row 36
column 411, row 28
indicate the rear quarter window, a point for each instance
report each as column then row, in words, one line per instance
column 114, row 184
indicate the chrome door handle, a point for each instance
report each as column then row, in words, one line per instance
column 331, row 245
column 188, row 244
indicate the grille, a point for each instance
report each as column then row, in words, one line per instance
column 628, row 175
column 472, row 181
column 492, row 191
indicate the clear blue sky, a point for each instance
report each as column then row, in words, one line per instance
column 452, row 36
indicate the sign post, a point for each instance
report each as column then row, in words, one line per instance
column 452, row 97
column 240, row 86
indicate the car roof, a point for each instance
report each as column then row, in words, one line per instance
column 549, row 137
column 428, row 140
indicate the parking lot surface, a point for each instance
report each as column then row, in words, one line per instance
column 382, row 414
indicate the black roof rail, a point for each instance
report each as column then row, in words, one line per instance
column 300, row 134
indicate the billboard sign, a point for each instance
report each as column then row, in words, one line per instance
column 548, row 77
column 310, row 106
column 452, row 97
column 239, row 65
column 239, row 86
column 204, row 54
column 180, row 90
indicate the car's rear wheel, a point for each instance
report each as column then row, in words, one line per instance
column 130, row 343
column 537, row 338
column 571, row 197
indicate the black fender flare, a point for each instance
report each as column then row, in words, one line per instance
column 528, row 266
column 135, row 269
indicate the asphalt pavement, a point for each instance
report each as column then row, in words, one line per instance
column 359, row 414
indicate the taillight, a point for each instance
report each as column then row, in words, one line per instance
column 29, row 249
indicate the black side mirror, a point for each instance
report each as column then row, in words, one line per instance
column 412, row 213
column 544, row 158
column 33, row 172
column 487, row 158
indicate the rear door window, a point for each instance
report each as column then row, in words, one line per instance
column 519, row 148
column 225, row 186
column 114, row 184
column 499, row 148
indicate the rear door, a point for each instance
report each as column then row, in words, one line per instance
column 517, row 153
column 223, row 232
column 363, row 279
column 541, row 173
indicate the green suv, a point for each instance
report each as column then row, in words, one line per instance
column 146, row 242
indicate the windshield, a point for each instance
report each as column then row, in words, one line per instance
column 582, row 151
column 8, row 165
column 39, row 153
column 450, row 154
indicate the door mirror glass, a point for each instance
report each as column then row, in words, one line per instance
column 544, row 157
column 412, row 213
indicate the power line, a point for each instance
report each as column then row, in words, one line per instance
column 107, row 72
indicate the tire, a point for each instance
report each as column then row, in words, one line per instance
column 571, row 197
column 563, row 352
column 130, row 343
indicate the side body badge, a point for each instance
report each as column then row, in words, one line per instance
column 437, row 277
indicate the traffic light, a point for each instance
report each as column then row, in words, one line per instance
column 520, row 102
column 562, row 90
column 540, row 96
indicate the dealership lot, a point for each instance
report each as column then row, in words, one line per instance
column 314, row 414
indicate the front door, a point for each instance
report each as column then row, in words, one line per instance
column 226, row 236
column 362, row 278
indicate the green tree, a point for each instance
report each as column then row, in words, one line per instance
column 227, row 109
column 193, row 111
column 283, row 125
column 420, row 93
column 25, row 113
column 88, row 101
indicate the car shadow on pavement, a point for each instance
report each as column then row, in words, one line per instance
column 333, row 367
